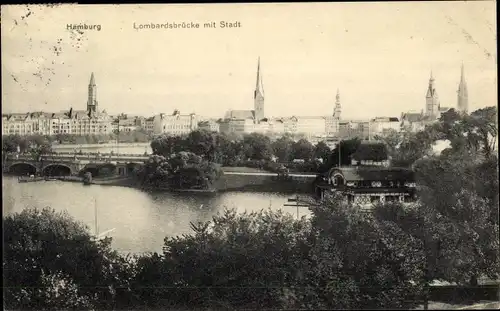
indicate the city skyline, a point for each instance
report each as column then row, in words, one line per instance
column 213, row 74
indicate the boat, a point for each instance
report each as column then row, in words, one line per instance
column 30, row 179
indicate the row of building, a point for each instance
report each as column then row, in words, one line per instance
column 329, row 127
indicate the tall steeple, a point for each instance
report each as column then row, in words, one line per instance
column 431, row 100
column 338, row 108
column 259, row 96
column 92, row 96
column 462, row 93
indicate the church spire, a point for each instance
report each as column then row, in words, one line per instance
column 462, row 93
column 258, row 96
column 431, row 90
column 259, row 87
column 431, row 100
column 92, row 96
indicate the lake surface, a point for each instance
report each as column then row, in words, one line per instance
column 141, row 220
column 122, row 148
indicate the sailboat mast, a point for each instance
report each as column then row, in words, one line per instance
column 95, row 212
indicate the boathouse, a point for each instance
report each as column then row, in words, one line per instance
column 368, row 185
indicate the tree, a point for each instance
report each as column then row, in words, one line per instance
column 260, row 274
column 52, row 262
column 347, row 148
column 371, row 151
column 282, row 148
column 202, row 143
column 257, row 147
column 225, row 150
column 465, row 206
column 302, row 149
column 10, row 143
column 165, row 145
column 322, row 151
column 484, row 128
column 38, row 150
column 456, row 218
column 155, row 171
column 358, row 263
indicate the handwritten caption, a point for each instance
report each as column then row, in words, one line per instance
column 188, row 25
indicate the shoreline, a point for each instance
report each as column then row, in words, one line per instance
column 130, row 182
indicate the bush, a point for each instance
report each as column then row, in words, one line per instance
column 52, row 262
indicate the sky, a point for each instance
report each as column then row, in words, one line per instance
column 378, row 55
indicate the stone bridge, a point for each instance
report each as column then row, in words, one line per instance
column 60, row 164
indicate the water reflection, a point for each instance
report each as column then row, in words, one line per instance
column 141, row 220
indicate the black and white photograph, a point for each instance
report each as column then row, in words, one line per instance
column 250, row 156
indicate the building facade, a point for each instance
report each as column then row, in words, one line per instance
column 175, row 124
column 381, row 126
column 209, row 125
column 73, row 122
column 349, row 129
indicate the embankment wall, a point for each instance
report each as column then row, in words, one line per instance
column 260, row 183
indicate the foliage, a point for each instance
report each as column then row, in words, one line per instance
column 357, row 261
column 282, row 148
column 456, row 219
column 182, row 170
column 322, row 151
column 302, row 149
column 347, row 149
column 11, row 142
column 474, row 134
column 371, row 151
column 228, row 150
column 257, row 146
column 462, row 199
column 51, row 262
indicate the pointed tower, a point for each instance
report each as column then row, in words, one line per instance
column 259, row 96
column 92, row 96
column 462, row 94
column 431, row 100
column 338, row 108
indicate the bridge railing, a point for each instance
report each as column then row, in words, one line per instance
column 101, row 153
column 98, row 157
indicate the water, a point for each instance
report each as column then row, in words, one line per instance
column 122, row 148
column 141, row 220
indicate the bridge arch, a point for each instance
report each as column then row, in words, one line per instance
column 22, row 168
column 57, row 169
column 107, row 169
column 99, row 170
column 132, row 167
